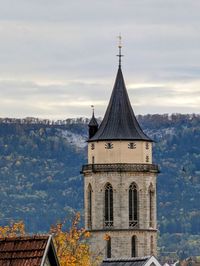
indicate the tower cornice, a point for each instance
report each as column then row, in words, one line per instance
column 121, row 167
column 123, row 230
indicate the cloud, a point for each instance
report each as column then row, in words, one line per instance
column 75, row 98
column 54, row 100
column 57, row 53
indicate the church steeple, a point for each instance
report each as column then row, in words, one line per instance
column 120, row 181
column 119, row 122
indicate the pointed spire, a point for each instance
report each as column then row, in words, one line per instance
column 119, row 122
column 93, row 121
column 93, row 124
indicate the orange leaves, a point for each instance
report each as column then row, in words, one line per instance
column 87, row 234
column 106, row 237
column 71, row 245
column 72, row 249
column 15, row 229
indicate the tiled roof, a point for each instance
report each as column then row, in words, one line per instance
column 119, row 122
column 23, row 251
column 125, row 261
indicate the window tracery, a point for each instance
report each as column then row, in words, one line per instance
column 109, row 145
column 108, row 222
column 151, row 207
column 92, row 146
column 132, row 145
column 89, row 200
column 108, row 247
column 133, row 205
column 151, row 244
column 134, row 246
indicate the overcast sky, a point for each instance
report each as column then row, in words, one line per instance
column 57, row 57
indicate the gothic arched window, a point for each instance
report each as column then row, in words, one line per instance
column 151, row 245
column 108, row 205
column 108, row 247
column 151, row 207
column 134, row 246
column 89, row 200
column 133, row 205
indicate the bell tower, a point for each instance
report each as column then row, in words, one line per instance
column 120, row 181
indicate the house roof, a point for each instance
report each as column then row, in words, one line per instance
column 119, row 122
column 125, row 261
column 27, row 251
column 138, row 261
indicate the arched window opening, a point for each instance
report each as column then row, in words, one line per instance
column 89, row 200
column 151, row 207
column 134, row 246
column 108, row 205
column 151, row 245
column 133, row 205
column 108, row 247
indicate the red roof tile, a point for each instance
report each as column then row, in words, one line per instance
column 22, row 251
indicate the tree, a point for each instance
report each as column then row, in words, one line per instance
column 71, row 245
column 72, row 248
column 12, row 230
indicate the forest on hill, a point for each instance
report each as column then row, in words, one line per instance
column 40, row 163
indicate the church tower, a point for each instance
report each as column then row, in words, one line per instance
column 120, row 181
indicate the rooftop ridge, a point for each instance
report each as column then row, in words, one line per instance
column 26, row 237
column 123, row 259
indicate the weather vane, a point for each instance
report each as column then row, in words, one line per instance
column 120, row 48
column 120, row 41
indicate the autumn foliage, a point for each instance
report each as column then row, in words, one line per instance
column 72, row 248
column 13, row 230
column 71, row 245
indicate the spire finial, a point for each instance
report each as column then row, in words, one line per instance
column 120, row 48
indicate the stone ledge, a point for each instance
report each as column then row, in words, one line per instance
column 120, row 167
column 124, row 230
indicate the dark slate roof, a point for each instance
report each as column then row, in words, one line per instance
column 27, row 251
column 93, row 121
column 119, row 122
column 140, row 261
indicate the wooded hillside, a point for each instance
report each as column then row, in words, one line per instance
column 40, row 165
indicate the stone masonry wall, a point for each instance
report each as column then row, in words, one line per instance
column 120, row 182
column 121, row 243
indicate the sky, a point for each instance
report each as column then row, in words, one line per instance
column 58, row 57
